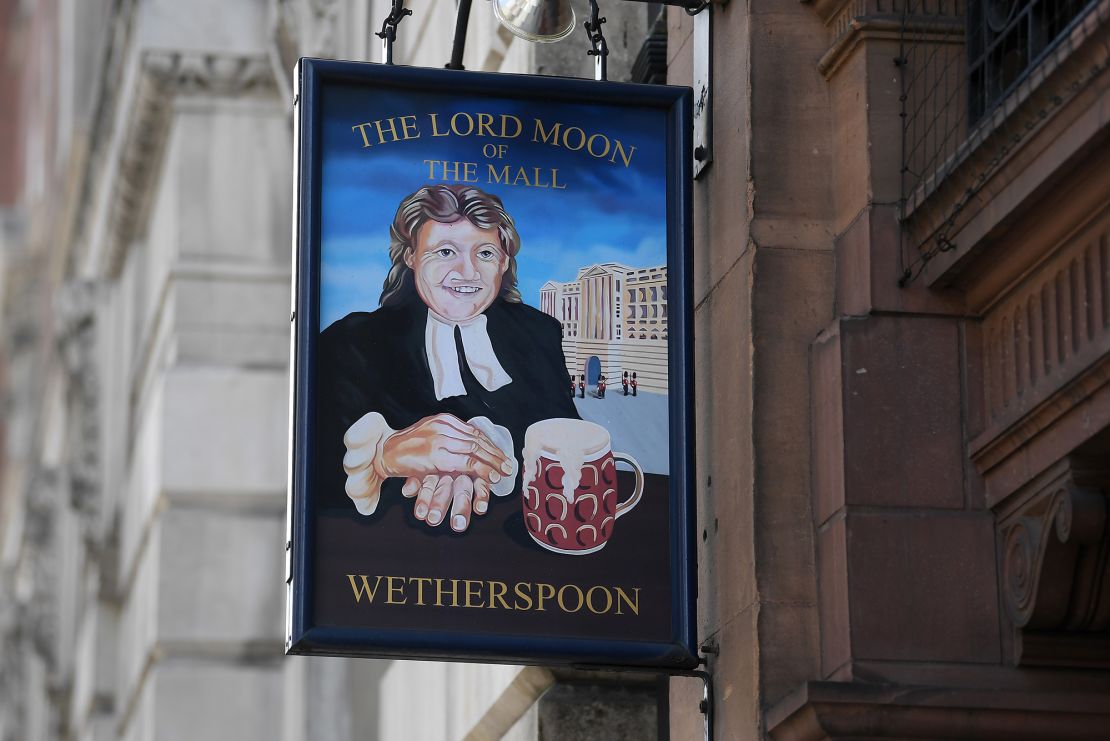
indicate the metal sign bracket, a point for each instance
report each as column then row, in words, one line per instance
column 703, row 90
column 707, row 649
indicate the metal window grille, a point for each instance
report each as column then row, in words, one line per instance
column 651, row 63
column 1005, row 38
column 973, row 76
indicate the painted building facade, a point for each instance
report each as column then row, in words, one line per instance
column 614, row 322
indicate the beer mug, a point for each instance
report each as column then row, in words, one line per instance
column 570, row 485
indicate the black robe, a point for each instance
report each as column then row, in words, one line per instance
column 376, row 362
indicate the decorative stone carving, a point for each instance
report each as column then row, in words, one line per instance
column 851, row 22
column 1055, row 568
column 179, row 73
column 76, row 335
column 835, row 711
column 40, row 564
column 305, row 28
column 12, row 674
column 1049, row 329
column 1044, row 354
column 163, row 76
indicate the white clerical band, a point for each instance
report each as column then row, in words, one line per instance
column 443, row 358
column 364, row 472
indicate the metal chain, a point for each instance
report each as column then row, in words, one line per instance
column 388, row 34
column 597, row 41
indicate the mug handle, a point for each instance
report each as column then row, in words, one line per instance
column 637, row 490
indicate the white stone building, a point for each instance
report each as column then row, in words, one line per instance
column 614, row 322
column 144, row 301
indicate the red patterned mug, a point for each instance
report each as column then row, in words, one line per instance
column 570, row 485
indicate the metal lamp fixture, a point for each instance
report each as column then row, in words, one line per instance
column 542, row 21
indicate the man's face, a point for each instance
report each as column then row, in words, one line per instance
column 458, row 268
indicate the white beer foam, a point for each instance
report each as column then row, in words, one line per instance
column 571, row 442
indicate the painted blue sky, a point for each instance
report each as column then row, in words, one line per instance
column 606, row 213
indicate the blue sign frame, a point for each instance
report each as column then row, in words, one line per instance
column 351, row 103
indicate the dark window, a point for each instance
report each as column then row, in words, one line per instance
column 1005, row 39
column 651, row 63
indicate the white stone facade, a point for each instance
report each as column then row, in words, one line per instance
column 144, row 295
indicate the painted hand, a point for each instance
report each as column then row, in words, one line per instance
column 465, row 495
column 447, row 464
column 443, row 444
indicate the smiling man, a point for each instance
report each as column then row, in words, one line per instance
column 429, row 396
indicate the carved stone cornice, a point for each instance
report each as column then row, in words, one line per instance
column 827, row 10
column 13, row 673
column 1055, row 566
column 304, row 28
column 824, row 711
column 197, row 73
column 162, row 77
column 1043, row 347
column 852, row 22
column 40, row 611
column 76, row 337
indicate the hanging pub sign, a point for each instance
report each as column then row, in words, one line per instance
column 491, row 415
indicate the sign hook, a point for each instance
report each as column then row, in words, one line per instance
column 388, row 34
column 600, row 48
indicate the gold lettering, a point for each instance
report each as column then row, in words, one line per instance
column 361, row 128
column 522, row 594
column 366, row 588
column 570, row 598
column 543, row 595
column 391, row 588
column 420, row 588
column 581, row 138
column 408, row 128
column 536, row 179
column 454, row 593
column 547, row 137
column 590, row 145
column 381, row 132
column 590, row 600
column 581, row 598
column 521, row 175
column 435, row 126
column 505, row 118
column 476, row 585
column 493, row 176
column 633, row 605
column 485, row 124
column 497, row 591
column 618, row 148
column 465, row 172
column 450, row 170
column 469, row 124
column 555, row 180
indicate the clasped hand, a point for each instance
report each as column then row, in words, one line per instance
column 446, row 464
